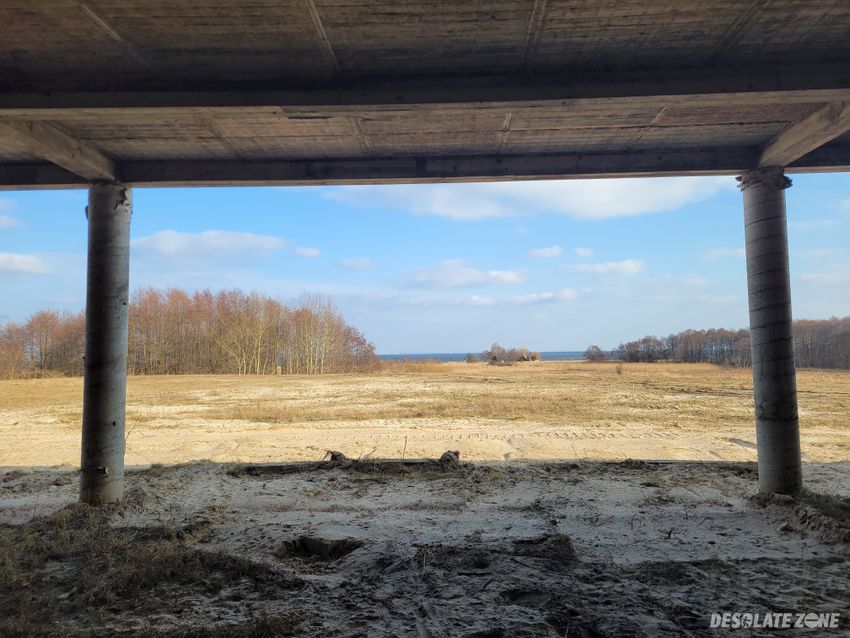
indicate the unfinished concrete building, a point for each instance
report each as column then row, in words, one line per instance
column 113, row 94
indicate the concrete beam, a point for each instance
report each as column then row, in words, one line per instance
column 830, row 158
column 771, row 333
column 31, row 176
column 721, row 161
column 107, row 313
column 724, row 161
column 55, row 145
column 822, row 126
column 438, row 168
column 699, row 87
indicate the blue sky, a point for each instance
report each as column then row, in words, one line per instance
column 554, row 265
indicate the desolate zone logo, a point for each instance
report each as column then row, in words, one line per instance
column 785, row 620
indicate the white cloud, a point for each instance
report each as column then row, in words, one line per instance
column 546, row 253
column 565, row 294
column 724, row 253
column 8, row 222
column 210, row 243
column 453, row 273
column 581, row 199
column 22, row 264
column 694, row 281
column 303, row 251
column 475, row 300
column 625, row 267
column 824, row 252
column 815, row 224
column 583, row 252
column 455, row 201
column 357, row 263
column 6, row 204
column 836, row 277
column 535, row 297
column 569, row 293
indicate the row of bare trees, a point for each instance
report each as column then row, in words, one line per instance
column 497, row 355
column 173, row 332
column 821, row 343
column 719, row 346
column 47, row 343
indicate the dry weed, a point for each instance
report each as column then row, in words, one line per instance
column 74, row 561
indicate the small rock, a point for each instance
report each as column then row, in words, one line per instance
column 785, row 527
column 62, row 480
column 783, row 499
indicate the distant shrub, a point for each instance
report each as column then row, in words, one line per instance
column 499, row 356
column 594, row 354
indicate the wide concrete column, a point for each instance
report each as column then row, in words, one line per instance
column 769, row 286
column 104, row 394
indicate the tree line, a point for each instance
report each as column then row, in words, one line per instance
column 497, row 355
column 174, row 332
column 818, row 343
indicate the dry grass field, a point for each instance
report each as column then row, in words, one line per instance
column 538, row 410
column 555, row 529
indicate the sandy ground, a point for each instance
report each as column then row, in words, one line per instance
column 531, row 411
column 477, row 550
column 507, row 543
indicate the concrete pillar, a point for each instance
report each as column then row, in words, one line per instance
column 104, row 393
column 769, row 287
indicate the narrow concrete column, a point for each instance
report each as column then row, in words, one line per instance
column 769, row 287
column 104, row 393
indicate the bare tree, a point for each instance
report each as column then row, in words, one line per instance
column 594, row 354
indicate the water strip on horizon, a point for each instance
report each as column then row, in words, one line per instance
column 447, row 357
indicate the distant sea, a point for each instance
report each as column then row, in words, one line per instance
column 566, row 355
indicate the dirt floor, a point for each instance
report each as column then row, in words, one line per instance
column 514, row 544
column 372, row 549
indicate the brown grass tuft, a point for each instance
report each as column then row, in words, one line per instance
column 74, row 562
